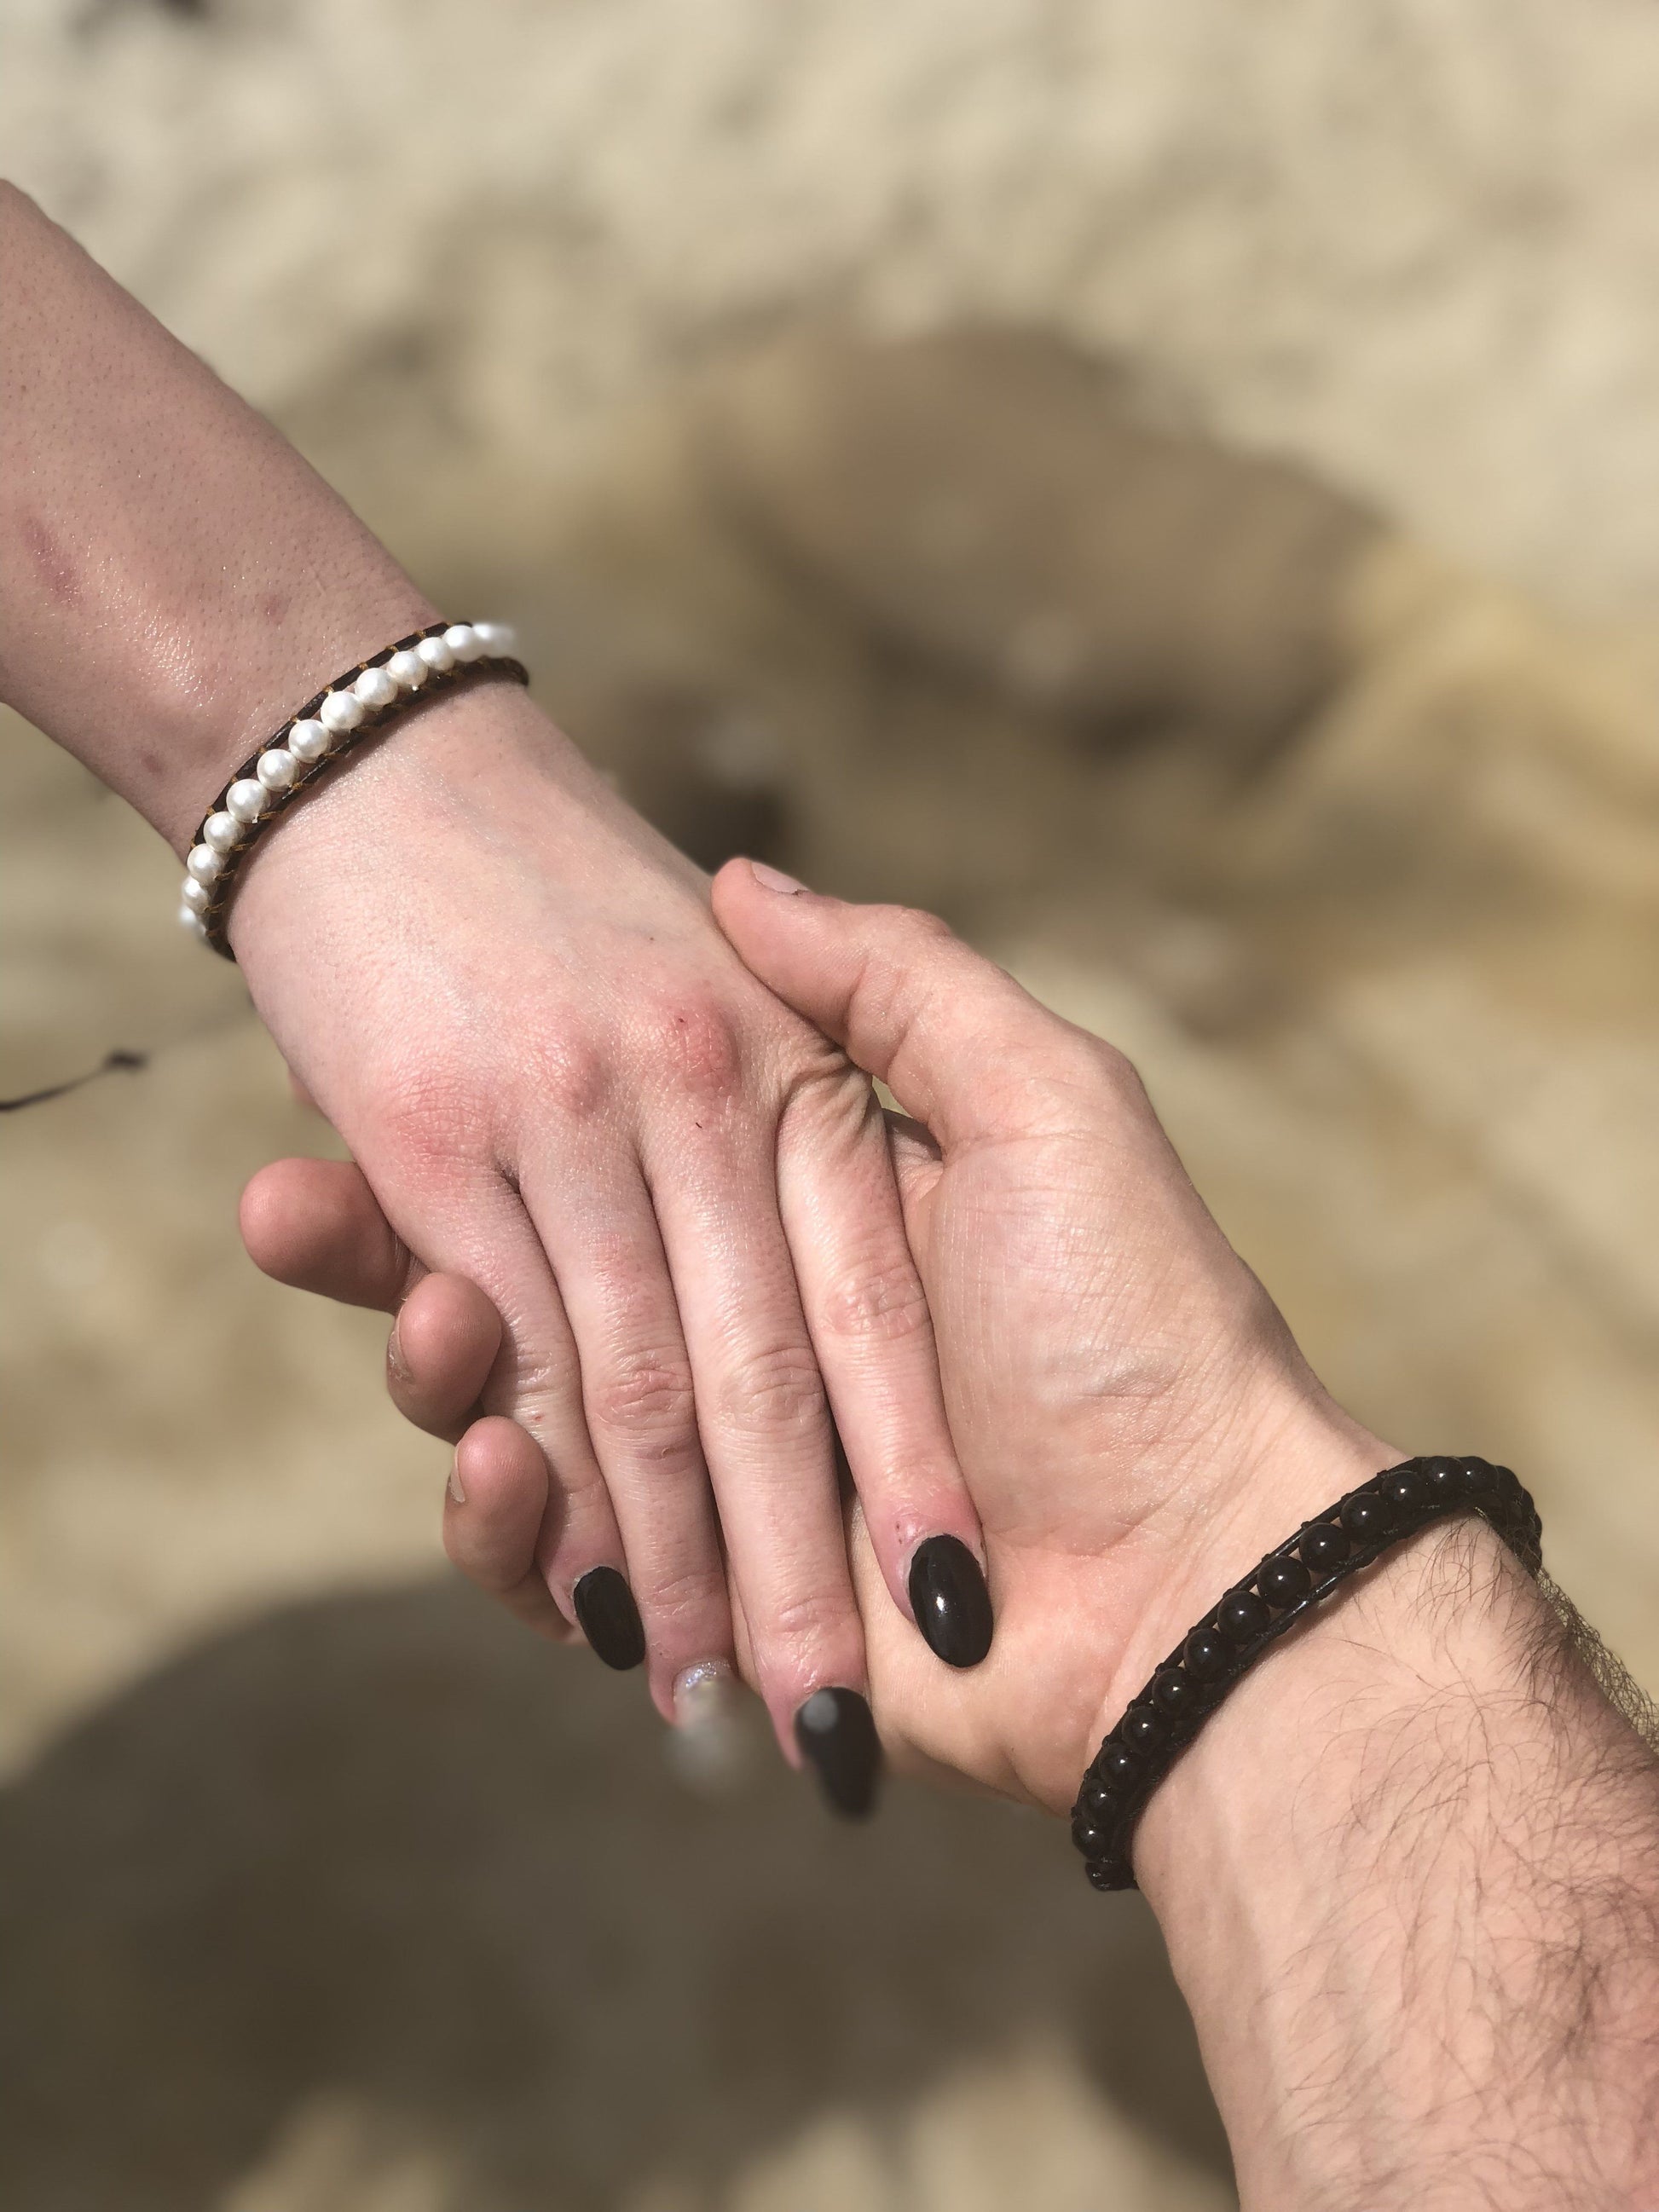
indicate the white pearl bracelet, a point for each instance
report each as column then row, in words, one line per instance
column 327, row 728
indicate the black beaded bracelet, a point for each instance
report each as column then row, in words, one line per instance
column 1162, row 1720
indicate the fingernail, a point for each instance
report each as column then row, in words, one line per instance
column 951, row 1602
column 836, row 1732
column 708, row 1747
column 455, row 1489
column 609, row 1619
column 774, row 879
column 394, row 1357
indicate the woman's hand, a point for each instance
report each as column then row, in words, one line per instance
column 510, row 998
column 1135, row 1422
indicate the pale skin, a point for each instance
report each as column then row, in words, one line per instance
column 509, row 996
column 1409, row 1873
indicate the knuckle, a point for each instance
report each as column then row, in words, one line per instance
column 646, row 1395
column 774, row 1392
column 533, row 1382
column 879, row 1301
column 917, row 923
column 686, row 1598
column 1116, row 1073
column 569, row 1076
column 828, row 1096
column 803, row 1627
column 690, row 1043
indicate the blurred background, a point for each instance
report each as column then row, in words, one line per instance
column 1174, row 489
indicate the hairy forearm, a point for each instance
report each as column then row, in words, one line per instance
column 1409, row 1877
column 173, row 577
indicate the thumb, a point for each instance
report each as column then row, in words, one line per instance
column 953, row 1036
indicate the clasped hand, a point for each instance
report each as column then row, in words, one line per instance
column 1130, row 1416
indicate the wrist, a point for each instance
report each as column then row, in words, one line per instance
column 1287, row 1454
column 220, row 688
column 1401, row 1872
column 469, row 802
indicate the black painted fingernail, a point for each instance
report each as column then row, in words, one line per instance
column 951, row 1602
column 835, row 1730
column 609, row 1619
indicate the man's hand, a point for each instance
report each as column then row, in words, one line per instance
column 1409, row 1871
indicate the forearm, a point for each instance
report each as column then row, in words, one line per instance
column 1409, row 1878
column 173, row 577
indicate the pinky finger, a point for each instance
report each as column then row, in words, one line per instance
column 493, row 1514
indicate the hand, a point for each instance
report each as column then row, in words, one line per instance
column 1405, row 1872
column 1135, row 1422
column 510, row 998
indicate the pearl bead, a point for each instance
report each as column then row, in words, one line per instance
column 376, row 688
column 248, row 800
column 194, row 895
column 308, row 741
column 221, row 831
column 407, row 670
column 498, row 637
column 436, row 654
column 189, row 920
column 463, row 641
column 341, row 712
column 203, row 863
column 278, row 768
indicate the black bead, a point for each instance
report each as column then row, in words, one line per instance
column 1406, row 1490
column 1324, row 1547
column 1479, row 1478
column 1094, row 1843
column 1283, row 1579
column 1176, row 1692
column 1097, row 1802
column 1118, row 1764
column 1104, row 1877
column 1366, row 1515
column 1442, row 1477
column 1207, row 1653
column 1242, row 1614
column 1145, row 1728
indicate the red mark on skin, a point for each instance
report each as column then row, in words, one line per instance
column 273, row 606
column 57, row 571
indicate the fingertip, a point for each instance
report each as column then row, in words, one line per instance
column 289, row 1211
column 753, row 891
column 447, row 1338
column 501, row 1465
column 315, row 1225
